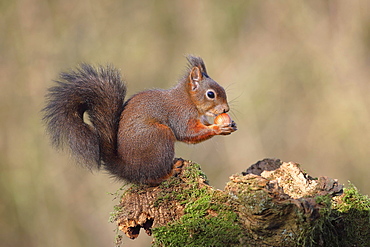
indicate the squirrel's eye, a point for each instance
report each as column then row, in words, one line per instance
column 210, row 94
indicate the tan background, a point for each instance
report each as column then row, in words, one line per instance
column 296, row 73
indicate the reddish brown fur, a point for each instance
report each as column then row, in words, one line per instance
column 137, row 143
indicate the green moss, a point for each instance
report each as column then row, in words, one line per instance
column 325, row 199
column 207, row 219
column 193, row 173
column 117, row 210
column 352, row 199
column 203, row 224
column 352, row 217
column 171, row 189
column 320, row 231
column 344, row 221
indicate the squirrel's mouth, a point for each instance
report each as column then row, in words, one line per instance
column 217, row 110
column 209, row 117
column 214, row 113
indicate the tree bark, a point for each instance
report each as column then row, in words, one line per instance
column 272, row 203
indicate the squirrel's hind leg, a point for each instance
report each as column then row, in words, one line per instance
column 152, row 161
column 176, row 170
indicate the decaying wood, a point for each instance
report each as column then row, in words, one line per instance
column 275, row 203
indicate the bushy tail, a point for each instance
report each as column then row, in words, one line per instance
column 99, row 92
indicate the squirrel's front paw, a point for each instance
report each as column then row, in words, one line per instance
column 226, row 129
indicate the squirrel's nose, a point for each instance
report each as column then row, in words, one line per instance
column 226, row 108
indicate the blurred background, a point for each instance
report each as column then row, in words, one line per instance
column 296, row 73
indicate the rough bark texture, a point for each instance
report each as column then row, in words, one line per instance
column 272, row 203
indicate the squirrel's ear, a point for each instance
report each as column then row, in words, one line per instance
column 195, row 77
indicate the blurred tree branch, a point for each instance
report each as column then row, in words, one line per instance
column 272, row 203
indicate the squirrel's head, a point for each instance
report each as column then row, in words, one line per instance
column 207, row 95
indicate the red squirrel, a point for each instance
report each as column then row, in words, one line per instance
column 133, row 140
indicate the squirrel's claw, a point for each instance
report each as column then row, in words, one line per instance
column 233, row 124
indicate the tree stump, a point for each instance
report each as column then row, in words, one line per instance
column 272, row 203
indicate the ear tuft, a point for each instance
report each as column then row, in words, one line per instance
column 197, row 62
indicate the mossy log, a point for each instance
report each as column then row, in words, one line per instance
column 272, row 203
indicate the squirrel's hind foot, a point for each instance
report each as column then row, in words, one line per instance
column 177, row 166
column 176, row 170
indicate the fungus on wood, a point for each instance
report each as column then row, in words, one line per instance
column 272, row 203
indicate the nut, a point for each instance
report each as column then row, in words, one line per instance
column 223, row 119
